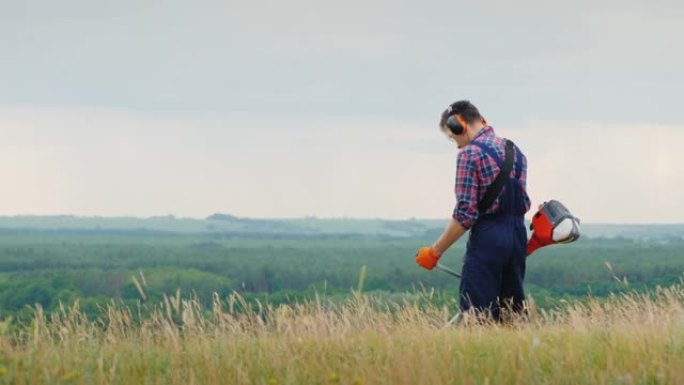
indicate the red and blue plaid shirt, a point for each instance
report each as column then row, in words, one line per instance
column 476, row 171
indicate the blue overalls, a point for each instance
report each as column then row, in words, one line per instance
column 494, row 265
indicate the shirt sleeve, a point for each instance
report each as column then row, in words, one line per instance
column 467, row 188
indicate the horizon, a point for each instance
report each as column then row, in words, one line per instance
column 312, row 217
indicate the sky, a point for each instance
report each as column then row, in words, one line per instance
column 290, row 109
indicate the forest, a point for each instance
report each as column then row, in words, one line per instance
column 270, row 262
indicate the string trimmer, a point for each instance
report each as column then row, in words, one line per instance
column 552, row 224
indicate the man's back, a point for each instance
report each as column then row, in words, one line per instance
column 477, row 170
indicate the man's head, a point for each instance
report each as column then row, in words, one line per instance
column 461, row 122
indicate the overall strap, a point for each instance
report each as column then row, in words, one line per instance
column 489, row 151
column 518, row 162
column 504, row 172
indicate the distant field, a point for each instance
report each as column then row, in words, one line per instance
column 224, row 223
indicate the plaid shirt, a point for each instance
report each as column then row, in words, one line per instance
column 475, row 171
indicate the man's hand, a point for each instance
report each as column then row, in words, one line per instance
column 427, row 257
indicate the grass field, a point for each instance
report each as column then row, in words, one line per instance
column 626, row 339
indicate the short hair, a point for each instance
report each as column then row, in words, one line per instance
column 463, row 108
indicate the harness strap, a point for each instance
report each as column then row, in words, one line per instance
column 518, row 163
column 490, row 151
column 495, row 188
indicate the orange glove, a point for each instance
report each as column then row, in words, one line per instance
column 427, row 258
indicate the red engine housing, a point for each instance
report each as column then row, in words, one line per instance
column 552, row 224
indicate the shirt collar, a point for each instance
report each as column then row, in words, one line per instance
column 487, row 131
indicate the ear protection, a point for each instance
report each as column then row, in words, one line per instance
column 456, row 124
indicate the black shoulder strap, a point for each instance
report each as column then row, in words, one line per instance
column 495, row 188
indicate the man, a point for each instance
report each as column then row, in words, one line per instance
column 494, row 265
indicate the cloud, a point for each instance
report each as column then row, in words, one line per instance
column 33, row 182
column 108, row 162
column 267, row 108
column 117, row 163
column 607, row 172
column 527, row 60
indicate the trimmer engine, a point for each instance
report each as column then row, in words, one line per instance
column 552, row 224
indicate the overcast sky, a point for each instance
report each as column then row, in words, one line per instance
column 294, row 108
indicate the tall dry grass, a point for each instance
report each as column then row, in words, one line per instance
column 627, row 339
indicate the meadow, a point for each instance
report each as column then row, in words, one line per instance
column 625, row 339
column 286, row 302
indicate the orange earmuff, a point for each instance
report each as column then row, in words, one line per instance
column 462, row 122
column 456, row 124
